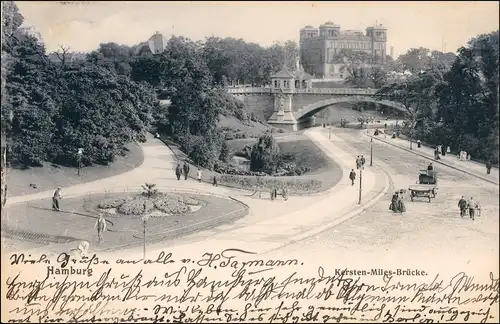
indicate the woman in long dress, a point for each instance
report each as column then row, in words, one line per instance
column 401, row 205
column 394, row 202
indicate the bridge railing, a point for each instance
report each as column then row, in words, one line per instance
column 248, row 90
column 335, row 91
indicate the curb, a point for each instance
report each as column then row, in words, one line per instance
column 350, row 214
column 433, row 160
column 341, row 219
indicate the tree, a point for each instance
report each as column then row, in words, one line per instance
column 468, row 97
column 11, row 21
column 356, row 66
column 265, row 155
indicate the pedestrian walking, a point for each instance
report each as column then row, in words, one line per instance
column 443, row 150
column 178, row 171
column 472, row 205
column 394, row 202
column 462, row 204
column 352, row 176
column 488, row 167
column 215, row 181
column 55, row 199
column 100, row 226
column 363, row 161
column 185, row 168
column 419, row 144
column 358, row 162
column 198, row 175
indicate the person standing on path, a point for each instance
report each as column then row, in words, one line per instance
column 178, row 171
column 198, row 175
column 352, row 176
column 472, row 205
column 488, row 167
column 215, row 181
column 419, row 144
column 462, row 204
column 358, row 162
column 443, row 150
column 100, row 225
column 185, row 168
column 363, row 161
column 55, row 199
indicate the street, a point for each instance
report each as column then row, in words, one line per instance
column 426, row 231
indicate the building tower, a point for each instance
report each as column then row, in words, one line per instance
column 305, row 33
column 378, row 34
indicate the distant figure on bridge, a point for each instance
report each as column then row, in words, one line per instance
column 419, row 144
column 178, row 171
column 462, row 204
column 488, row 167
column 352, row 176
column 185, row 168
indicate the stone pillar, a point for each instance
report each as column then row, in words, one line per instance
column 283, row 114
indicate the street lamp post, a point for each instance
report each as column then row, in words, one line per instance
column 371, row 151
column 144, row 224
column 360, row 184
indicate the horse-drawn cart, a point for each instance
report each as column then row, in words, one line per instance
column 421, row 190
column 426, row 185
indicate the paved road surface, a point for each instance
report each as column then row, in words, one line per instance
column 426, row 230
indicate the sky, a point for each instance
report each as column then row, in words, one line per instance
column 83, row 25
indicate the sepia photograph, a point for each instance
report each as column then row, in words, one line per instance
column 250, row 162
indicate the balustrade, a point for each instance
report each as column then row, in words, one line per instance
column 335, row 91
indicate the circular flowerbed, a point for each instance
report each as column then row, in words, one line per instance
column 159, row 205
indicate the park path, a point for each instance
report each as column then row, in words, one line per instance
column 269, row 224
column 273, row 224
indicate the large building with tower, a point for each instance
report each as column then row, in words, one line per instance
column 320, row 48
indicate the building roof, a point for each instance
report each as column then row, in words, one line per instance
column 156, row 44
column 283, row 74
column 301, row 74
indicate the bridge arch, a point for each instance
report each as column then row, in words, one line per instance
column 310, row 110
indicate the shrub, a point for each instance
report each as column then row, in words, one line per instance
column 172, row 204
column 265, row 155
column 111, row 203
column 293, row 185
column 137, row 206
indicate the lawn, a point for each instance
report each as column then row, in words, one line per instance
column 53, row 176
column 35, row 224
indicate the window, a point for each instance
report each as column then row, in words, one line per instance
column 276, row 83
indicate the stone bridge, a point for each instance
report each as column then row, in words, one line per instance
column 293, row 108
